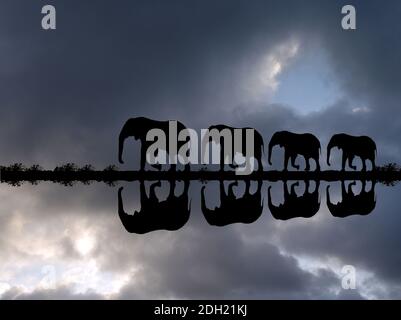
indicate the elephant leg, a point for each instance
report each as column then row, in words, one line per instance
column 307, row 164
column 343, row 160
column 247, row 186
column 286, row 192
column 286, row 158
column 307, row 183
column 173, row 167
column 317, row 186
column 260, row 165
column 221, row 156
column 352, row 184
column 230, row 192
column 350, row 161
column 363, row 186
column 293, row 158
column 343, row 190
column 152, row 191
column 373, row 164
column 172, row 188
column 317, row 164
column 296, row 184
column 363, row 164
column 234, row 184
column 157, row 166
column 143, row 159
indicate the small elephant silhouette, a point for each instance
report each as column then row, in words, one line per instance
column 139, row 128
column 351, row 204
column 353, row 146
column 305, row 206
column 170, row 214
column 246, row 209
column 306, row 145
column 257, row 150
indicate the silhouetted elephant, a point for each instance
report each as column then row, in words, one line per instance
column 257, row 150
column 351, row 204
column 305, row 206
column 306, row 145
column 139, row 128
column 352, row 146
column 246, row 209
column 170, row 214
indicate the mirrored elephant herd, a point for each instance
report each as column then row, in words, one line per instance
column 173, row 212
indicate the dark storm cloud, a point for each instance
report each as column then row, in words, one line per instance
column 105, row 64
column 62, row 293
column 65, row 95
column 222, row 265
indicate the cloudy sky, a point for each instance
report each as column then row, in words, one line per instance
column 271, row 65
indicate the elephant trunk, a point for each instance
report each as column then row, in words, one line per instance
column 271, row 145
column 124, row 217
column 329, row 204
column 329, row 147
column 203, row 200
column 275, row 140
column 269, row 199
column 207, row 213
column 126, row 131
column 120, row 148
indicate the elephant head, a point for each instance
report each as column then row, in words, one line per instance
column 135, row 128
column 335, row 141
column 278, row 138
column 353, row 146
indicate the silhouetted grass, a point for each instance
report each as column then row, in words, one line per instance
column 388, row 174
column 69, row 174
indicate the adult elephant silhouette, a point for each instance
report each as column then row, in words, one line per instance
column 351, row 204
column 305, row 206
column 306, row 145
column 257, row 150
column 352, row 146
column 246, row 209
column 138, row 128
column 170, row 214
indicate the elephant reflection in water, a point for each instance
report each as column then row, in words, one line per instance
column 246, row 209
column 351, row 204
column 170, row 214
column 305, row 206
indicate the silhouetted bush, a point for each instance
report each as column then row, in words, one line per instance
column 68, row 167
column 87, row 168
column 111, row 167
column 390, row 167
